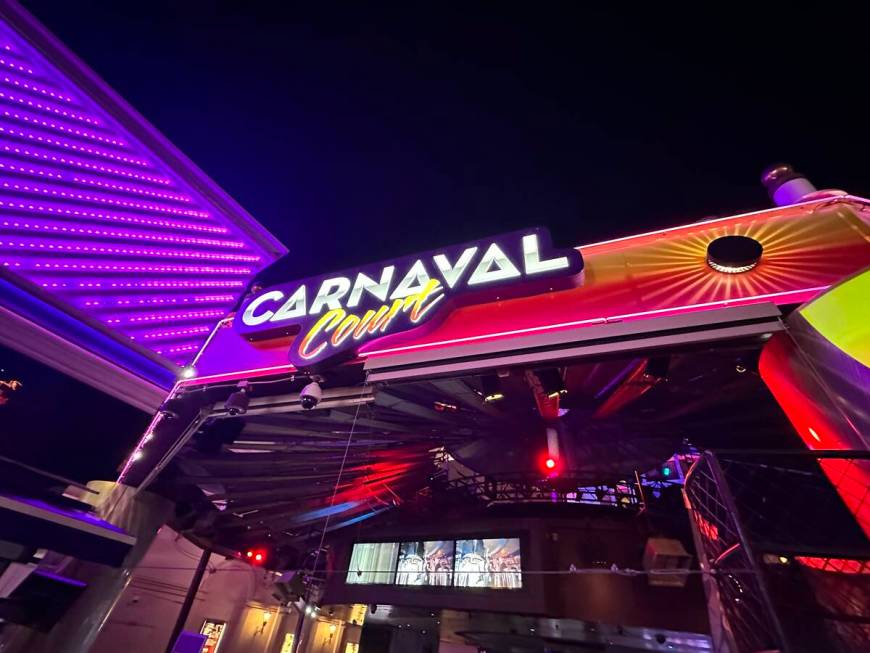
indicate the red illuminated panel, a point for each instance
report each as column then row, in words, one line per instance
column 805, row 251
column 817, row 422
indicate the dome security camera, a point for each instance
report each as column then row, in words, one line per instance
column 311, row 395
column 237, row 403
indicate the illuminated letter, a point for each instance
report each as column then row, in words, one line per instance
column 326, row 324
column 417, row 303
column 452, row 273
column 248, row 316
column 505, row 269
column 360, row 330
column 532, row 258
column 416, row 273
column 293, row 307
column 379, row 290
column 330, row 293
column 344, row 329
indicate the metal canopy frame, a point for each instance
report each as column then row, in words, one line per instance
column 584, row 341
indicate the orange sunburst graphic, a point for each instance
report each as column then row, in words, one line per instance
column 797, row 254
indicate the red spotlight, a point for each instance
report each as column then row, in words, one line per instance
column 256, row 556
column 549, row 466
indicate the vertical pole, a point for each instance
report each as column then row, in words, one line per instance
column 640, row 492
column 298, row 632
column 188, row 599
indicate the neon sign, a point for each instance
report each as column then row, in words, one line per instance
column 333, row 315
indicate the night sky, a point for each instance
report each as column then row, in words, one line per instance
column 358, row 132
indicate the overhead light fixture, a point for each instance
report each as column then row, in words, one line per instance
column 734, row 254
column 491, row 388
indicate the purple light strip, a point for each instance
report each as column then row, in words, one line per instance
column 11, row 80
column 40, row 122
column 176, row 350
column 104, row 199
column 61, row 227
column 94, row 151
column 59, row 579
column 71, row 161
column 71, row 115
column 173, row 301
column 138, row 190
column 169, row 334
column 184, row 316
column 30, row 171
column 43, row 171
column 15, row 66
column 118, row 217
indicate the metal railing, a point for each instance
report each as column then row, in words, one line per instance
column 783, row 536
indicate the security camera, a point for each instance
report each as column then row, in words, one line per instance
column 311, row 395
column 237, row 403
column 171, row 408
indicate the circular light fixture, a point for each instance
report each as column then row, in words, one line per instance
column 734, row 254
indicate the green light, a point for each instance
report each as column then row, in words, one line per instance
column 666, row 471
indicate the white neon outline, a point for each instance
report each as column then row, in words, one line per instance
column 740, row 216
column 596, row 320
column 147, row 436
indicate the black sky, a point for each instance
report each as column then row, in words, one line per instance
column 357, row 132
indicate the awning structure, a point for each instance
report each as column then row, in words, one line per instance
column 35, row 523
column 654, row 346
column 117, row 254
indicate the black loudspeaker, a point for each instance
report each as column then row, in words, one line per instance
column 289, row 587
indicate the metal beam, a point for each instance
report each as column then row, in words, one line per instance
column 618, row 337
column 291, row 403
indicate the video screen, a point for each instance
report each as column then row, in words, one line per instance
column 493, row 564
column 373, row 563
column 425, row 563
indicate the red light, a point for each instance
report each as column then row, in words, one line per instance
column 258, row 557
column 549, row 463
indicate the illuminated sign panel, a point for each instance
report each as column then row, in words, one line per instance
column 494, row 563
column 335, row 314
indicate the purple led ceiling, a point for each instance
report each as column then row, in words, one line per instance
column 100, row 211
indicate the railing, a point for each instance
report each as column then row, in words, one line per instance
column 529, row 489
column 781, row 536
